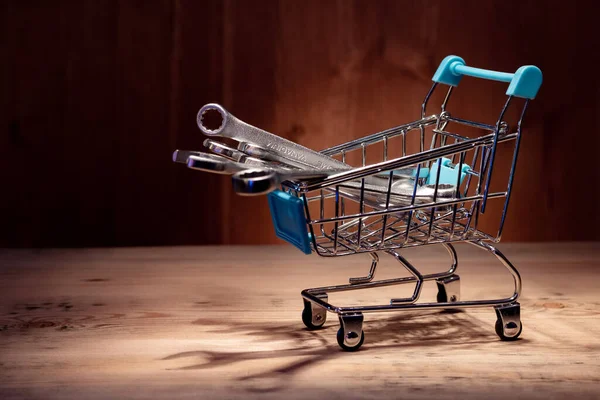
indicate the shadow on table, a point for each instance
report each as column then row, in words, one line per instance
column 309, row 348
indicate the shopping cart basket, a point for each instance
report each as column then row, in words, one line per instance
column 443, row 200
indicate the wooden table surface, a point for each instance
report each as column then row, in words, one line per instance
column 224, row 322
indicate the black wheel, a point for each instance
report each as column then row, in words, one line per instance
column 340, row 340
column 307, row 318
column 500, row 331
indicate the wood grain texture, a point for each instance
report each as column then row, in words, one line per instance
column 224, row 322
column 97, row 94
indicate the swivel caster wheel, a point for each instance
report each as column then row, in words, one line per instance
column 448, row 289
column 508, row 325
column 313, row 315
column 350, row 336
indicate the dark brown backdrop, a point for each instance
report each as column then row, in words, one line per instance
column 96, row 94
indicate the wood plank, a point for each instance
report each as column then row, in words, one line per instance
column 224, row 322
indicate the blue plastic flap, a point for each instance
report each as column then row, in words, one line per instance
column 525, row 82
column 448, row 172
column 287, row 213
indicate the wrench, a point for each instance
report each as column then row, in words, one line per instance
column 220, row 164
column 214, row 163
column 238, row 156
column 264, row 145
column 207, row 162
column 401, row 193
column 233, row 128
column 254, row 182
column 181, row 156
column 264, row 154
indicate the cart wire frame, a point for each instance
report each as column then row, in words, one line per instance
column 348, row 221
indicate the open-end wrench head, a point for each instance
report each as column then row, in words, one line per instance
column 181, row 156
column 203, row 113
column 212, row 163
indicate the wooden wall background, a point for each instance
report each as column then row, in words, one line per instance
column 96, row 94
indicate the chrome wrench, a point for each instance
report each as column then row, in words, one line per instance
column 207, row 162
column 265, row 154
column 233, row 128
column 259, row 181
column 216, row 163
column 238, row 156
column 265, row 145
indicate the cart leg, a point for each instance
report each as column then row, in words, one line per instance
column 350, row 336
column 368, row 278
column 449, row 285
column 414, row 272
column 448, row 289
column 502, row 258
column 313, row 315
column 508, row 324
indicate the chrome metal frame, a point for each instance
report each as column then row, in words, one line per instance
column 391, row 226
column 397, row 304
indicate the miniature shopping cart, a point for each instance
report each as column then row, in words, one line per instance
column 422, row 183
column 426, row 182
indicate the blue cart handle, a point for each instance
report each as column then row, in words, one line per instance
column 525, row 82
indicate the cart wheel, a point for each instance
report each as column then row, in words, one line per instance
column 351, row 336
column 313, row 315
column 508, row 321
column 340, row 340
column 313, row 323
column 511, row 325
